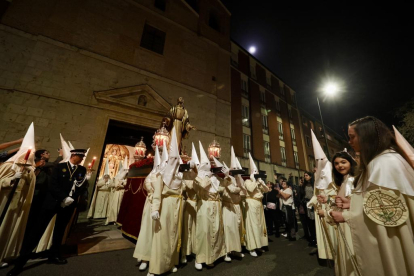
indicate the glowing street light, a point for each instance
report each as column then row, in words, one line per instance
column 252, row 50
column 330, row 88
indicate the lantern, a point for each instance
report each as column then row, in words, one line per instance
column 140, row 149
column 161, row 138
column 214, row 149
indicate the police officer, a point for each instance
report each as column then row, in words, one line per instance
column 66, row 183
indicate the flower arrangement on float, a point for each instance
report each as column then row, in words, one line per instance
column 146, row 162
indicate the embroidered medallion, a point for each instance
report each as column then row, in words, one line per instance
column 63, row 170
column 385, row 208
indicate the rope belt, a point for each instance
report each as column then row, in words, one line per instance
column 254, row 198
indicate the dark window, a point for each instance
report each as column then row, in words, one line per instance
column 308, row 141
column 214, row 22
column 153, row 39
column 160, row 4
column 193, row 4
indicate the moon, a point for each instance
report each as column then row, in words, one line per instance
column 252, row 50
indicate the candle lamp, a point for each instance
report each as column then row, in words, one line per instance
column 214, row 149
column 161, row 138
column 140, row 149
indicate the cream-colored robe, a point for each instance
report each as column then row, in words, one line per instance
column 256, row 234
column 102, row 198
column 243, row 194
column 115, row 199
column 189, row 216
column 209, row 224
column 144, row 242
column 232, row 217
column 14, row 225
column 167, row 229
column 383, row 250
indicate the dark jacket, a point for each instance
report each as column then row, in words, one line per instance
column 60, row 184
column 42, row 177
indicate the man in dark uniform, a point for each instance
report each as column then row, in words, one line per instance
column 65, row 185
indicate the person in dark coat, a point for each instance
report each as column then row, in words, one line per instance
column 66, row 183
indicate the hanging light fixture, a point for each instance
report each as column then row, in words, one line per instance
column 140, row 149
column 161, row 138
column 214, row 149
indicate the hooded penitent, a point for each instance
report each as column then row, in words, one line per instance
column 106, row 172
column 233, row 160
column 157, row 161
column 70, row 145
column 405, row 146
column 86, row 154
column 194, row 157
column 66, row 150
column 205, row 166
column 218, row 163
column 28, row 143
column 253, row 168
column 173, row 162
column 164, row 159
column 323, row 174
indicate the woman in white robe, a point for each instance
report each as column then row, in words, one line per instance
column 117, row 194
column 102, row 197
column 381, row 248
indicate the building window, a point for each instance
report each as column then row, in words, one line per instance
column 311, row 162
column 160, row 4
column 245, row 89
column 265, row 126
column 263, row 97
column 294, row 98
column 282, row 90
column 290, row 112
column 253, row 72
column 292, row 133
column 245, row 116
column 214, row 21
column 304, row 121
column 280, row 126
column 283, row 152
column 308, row 141
column 295, row 156
column 267, row 151
column 153, row 39
column 278, row 106
column 246, row 145
column 269, row 82
column 235, row 59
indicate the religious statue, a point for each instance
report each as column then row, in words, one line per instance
column 178, row 117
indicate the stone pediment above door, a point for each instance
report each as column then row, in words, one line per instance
column 139, row 98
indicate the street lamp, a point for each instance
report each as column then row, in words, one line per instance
column 329, row 89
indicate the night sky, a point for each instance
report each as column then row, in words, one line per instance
column 369, row 51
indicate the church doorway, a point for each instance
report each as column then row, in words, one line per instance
column 93, row 232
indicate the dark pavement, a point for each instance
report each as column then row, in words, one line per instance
column 284, row 258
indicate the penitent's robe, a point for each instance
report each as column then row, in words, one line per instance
column 167, row 229
column 209, row 228
column 189, row 216
column 144, row 243
column 14, row 225
column 381, row 250
column 115, row 199
column 256, row 234
column 232, row 217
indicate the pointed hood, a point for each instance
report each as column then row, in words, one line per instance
column 238, row 164
column 204, row 162
column 86, row 154
column 323, row 174
column 173, row 162
column 194, row 156
column 65, row 148
column 233, row 160
column 70, row 145
column 121, row 173
column 157, row 161
column 125, row 166
column 405, row 146
column 164, row 158
column 218, row 163
column 106, row 172
column 225, row 166
column 253, row 168
column 28, row 143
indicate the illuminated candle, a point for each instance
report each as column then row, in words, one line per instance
column 28, row 154
column 89, row 165
column 93, row 161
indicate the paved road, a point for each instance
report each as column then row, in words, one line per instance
column 284, row 258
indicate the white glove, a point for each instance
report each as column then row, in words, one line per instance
column 66, row 202
column 88, row 175
column 16, row 175
column 155, row 215
column 192, row 164
column 261, row 181
column 264, row 206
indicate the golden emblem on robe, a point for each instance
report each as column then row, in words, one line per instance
column 385, row 208
column 63, row 170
